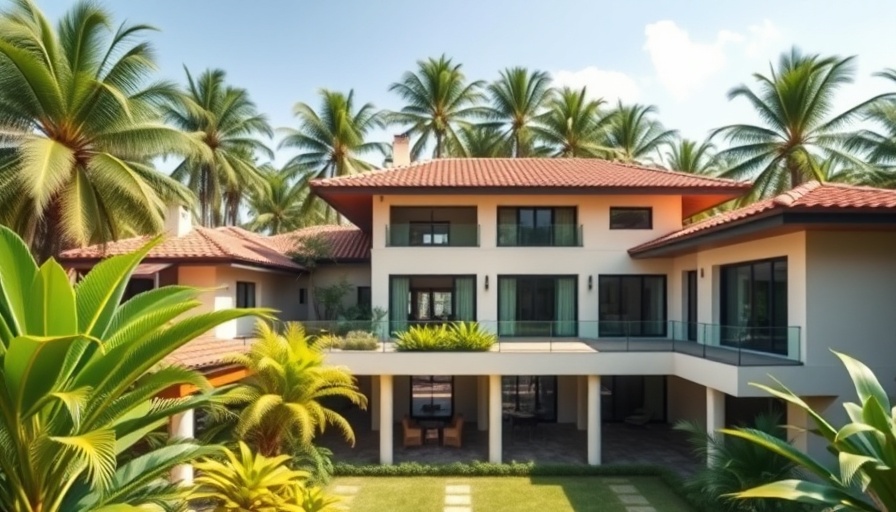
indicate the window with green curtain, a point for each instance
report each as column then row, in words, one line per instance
column 565, row 307
column 507, row 227
column 398, row 307
column 399, row 235
column 565, row 227
column 507, row 308
column 465, row 298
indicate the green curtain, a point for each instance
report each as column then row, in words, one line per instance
column 565, row 307
column 465, row 298
column 507, row 227
column 398, row 309
column 399, row 235
column 507, row 300
column 564, row 227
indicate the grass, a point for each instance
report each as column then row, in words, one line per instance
column 507, row 494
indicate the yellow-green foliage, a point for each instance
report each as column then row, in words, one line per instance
column 354, row 340
column 456, row 337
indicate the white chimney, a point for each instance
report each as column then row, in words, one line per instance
column 401, row 150
column 178, row 220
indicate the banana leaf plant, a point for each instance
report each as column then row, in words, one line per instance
column 864, row 477
column 80, row 375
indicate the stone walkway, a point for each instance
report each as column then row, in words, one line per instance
column 458, row 497
column 629, row 495
column 346, row 493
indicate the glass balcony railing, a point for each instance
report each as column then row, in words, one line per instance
column 432, row 235
column 558, row 235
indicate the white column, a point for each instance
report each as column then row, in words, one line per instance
column 180, row 426
column 495, row 420
column 594, row 425
column 374, row 402
column 715, row 412
column 482, row 402
column 386, row 419
column 581, row 402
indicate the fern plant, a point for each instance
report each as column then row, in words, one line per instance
column 455, row 337
column 419, row 338
column 471, row 337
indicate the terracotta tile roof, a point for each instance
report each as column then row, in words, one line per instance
column 346, row 243
column 525, row 173
column 227, row 244
column 811, row 196
column 208, row 351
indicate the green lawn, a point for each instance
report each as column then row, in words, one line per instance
column 506, row 494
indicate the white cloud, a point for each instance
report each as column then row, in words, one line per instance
column 683, row 65
column 601, row 83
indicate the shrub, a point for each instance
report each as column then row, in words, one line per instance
column 458, row 336
column 360, row 340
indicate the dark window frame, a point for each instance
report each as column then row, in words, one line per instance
column 431, row 381
column 303, row 295
column 665, row 308
column 454, row 278
column 432, row 233
column 723, row 300
column 538, row 379
column 553, row 209
column 575, row 278
column 648, row 209
column 246, row 290
column 360, row 302
column 691, row 303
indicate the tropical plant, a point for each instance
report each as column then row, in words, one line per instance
column 517, row 99
column 283, row 204
column 250, row 482
column 229, row 124
column 573, row 125
column 80, row 126
column 686, row 155
column 454, row 337
column 280, row 403
column 438, row 101
column 314, row 499
column 478, row 141
column 80, row 373
column 865, row 449
column 878, row 141
column 798, row 132
column 735, row 465
column 635, row 135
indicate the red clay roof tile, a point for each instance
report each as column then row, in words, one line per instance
column 345, row 243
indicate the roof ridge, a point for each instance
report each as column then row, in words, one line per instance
column 204, row 233
column 793, row 195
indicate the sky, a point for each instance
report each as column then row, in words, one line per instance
column 682, row 56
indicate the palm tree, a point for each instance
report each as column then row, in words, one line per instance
column 281, row 399
column 333, row 139
column 686, row 155
column 80, row 128
column 479, row 141
column 879, row 142
column 517, row 98
column 798, row 131
column 283, row 204
column 573, row 125
column 438, row 100
column 635, row 134
column 229, row 123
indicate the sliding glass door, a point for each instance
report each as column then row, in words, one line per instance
column 754, row 305
column 530, row 394
column 432, row 396
column 429, row 299
column 632, row 305
column 537, row 306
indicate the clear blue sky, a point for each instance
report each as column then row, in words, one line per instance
column 682, row 56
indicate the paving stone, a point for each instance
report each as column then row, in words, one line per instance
column 345, row 489
column 457, row 489
column 633, row 499
column 458, row 499
column 640, row 509
column 624, row 489
column 615, row 480
column 462, row 509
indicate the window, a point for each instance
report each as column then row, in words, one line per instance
column 536, row 395
column 537, row 226
column 444, row 226
column 537, row 305
column 754, row 305
column 429, row 233
column 303, row 295
column 631, row 218
column 420, row 299
column 136, row 286
column 632, row 305
column 245, row 294
column 691, row 303
column 432, row 396
column 364, row 297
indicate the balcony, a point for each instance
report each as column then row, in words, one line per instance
column 432, row 234
column 737, row 346
column 557, row 235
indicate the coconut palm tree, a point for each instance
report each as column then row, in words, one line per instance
column 333, row 139
column 878, row 142
column 229, row 124
column 635, row 135
column 438, row 101
column 283, row 204
column 479, row 141
column 517, row 98
column 280, row 402
column 797, row 131
column 686, row 155
column 572, row 126
column 79, row 129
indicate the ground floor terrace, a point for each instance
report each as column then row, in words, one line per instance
column 565, row 419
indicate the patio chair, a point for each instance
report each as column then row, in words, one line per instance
column 452, row 435
column 412, row 435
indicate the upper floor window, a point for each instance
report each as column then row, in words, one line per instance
column 538, row 226
column 451, row 226
column 429, row 233
column 631, row 217
column 245, row 294
column 754, row 305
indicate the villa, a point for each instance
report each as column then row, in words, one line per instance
column 608, row 305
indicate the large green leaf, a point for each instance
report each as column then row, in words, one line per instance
column 29, row 366
column 865, row 381
column 51, row 311
column 17, row 273
column 96, row 451
column 47, row 165
column 808, row 492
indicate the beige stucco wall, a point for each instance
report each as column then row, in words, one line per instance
column 685, row 401
column 328, row 274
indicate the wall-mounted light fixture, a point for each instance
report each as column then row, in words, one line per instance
column 590, row 282
column 486, row 282
column 701, row 272
column 381, row 199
